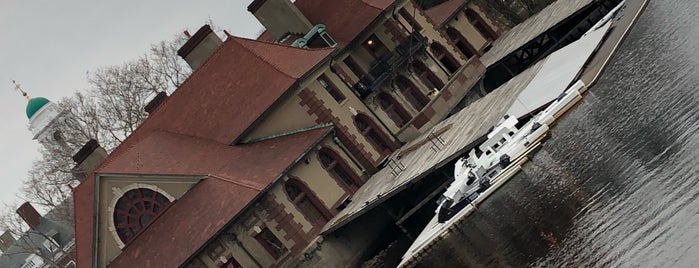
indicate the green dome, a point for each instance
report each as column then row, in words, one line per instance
column 34, row 105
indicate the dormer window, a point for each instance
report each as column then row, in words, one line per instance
column 315, row 38
column 328, row 40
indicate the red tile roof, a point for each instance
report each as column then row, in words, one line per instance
column 239, row 82
column 344, row 19
column 440, row 13
column 240, row 171
column 169, row 241
column 190, row 131
column 245, row 169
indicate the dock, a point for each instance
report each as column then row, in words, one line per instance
column 534, row 87
column 464, row 130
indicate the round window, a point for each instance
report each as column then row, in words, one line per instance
column 135, row 209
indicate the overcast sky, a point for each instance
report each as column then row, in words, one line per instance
column 48, row 46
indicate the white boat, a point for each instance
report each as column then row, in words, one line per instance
column 505, row 143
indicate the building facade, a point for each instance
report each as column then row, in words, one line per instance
column 49, row 241
column 268, row 139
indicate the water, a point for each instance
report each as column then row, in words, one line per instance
column 617, row 183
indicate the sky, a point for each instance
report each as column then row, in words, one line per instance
column 50, row 46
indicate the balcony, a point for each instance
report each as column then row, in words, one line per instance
column 386, row 66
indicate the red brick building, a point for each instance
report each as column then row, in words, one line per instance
column 268, row 139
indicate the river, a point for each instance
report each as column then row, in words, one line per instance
column 616, row 185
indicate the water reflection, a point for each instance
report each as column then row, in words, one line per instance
column 616, row 185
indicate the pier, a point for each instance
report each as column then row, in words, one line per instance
column 434, row 152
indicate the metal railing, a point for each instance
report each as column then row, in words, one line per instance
column 386, row 66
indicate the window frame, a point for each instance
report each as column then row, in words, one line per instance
column 444, row 57
column 378, row 139
column 331, row 88
column 265, row 243
column 411, row 93
column 339, row 163
column 426, row 76
column 393, row 109
column 306, row 193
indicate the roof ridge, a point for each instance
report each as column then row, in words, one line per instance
column 257, row 55
column 241, row 40
column 290, row 132
column 118, row 149
column 244, row 183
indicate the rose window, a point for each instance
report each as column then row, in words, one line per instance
column 135, row 209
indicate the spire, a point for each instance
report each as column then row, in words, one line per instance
column 18, row 87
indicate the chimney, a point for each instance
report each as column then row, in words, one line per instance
column 155, row 102
column 198, row 48
column 88, row 158
column 6, row 240
column 29, row 215
column 280, row 17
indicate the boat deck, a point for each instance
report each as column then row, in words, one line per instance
column 447, row 140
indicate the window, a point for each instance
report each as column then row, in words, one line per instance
column 331, row 88
column 328, row 40
column 215, row 250
column 393, row 109
column 307, row 203
column 410, row 19
column 271, row 243
column 446, row 59
column 338, row 169
column 426, row 76
column 50, row 245
column 375, row 47
column 231, row 263
column 461, row 43
column 372, row 133
column 29, row 264
column 480, row 25
column 354, row 67
column 33, row 261
column 135, row 210
column 411, row 93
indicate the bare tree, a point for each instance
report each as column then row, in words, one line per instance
column 30, row 241
column 108, row 111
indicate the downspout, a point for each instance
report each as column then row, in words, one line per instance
column 337, row 141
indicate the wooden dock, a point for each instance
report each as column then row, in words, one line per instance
column 530, row 29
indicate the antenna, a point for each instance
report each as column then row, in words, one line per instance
column 18, row 87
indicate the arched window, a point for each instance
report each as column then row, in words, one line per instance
column 447, row 60
column 411, row 93
column 426, row 76
column 135, row 210
column 480, row 25
column 393, row 109
column 309, row 205
column 339, row 169
column 461, row 43
column 371, row 132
